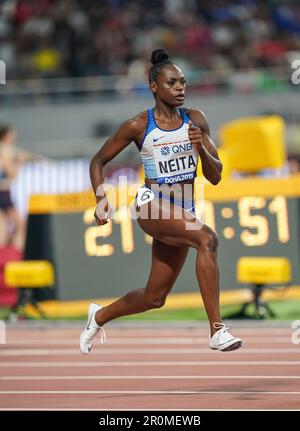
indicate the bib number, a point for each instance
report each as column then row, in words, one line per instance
column 144, row 195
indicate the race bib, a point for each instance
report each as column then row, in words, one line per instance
column 175, row 160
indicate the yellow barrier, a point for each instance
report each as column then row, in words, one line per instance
column 261, row 271
column 29, row 274
column 264, row 270
column 254, row 143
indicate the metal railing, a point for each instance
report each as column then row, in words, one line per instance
column 199, row 81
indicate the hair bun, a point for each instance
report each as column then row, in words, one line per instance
column 158, row 56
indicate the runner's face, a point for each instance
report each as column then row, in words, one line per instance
column 170, row 86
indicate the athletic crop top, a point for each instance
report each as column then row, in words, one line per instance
column 167, row 155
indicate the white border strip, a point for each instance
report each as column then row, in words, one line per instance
column 141, row 364
column 141, row 351
column 171, row 377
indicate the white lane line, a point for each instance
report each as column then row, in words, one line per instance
column 177, row 377
column 149, row 392
column 146, row 341
column 138, row 351
column 120, row 337
column 137, row 339
column 141, row 363
column 152, row 329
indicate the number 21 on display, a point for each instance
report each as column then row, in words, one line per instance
column 255, row 233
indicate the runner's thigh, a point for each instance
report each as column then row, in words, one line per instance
column 179, row 228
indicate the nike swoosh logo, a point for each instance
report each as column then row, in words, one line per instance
column 88, row 325
column 221, row 344
column 157, row 139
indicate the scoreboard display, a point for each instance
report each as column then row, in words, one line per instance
column 252, row 217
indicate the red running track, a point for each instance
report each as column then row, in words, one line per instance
column 160, row 368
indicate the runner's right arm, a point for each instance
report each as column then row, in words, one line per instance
column 129, row 131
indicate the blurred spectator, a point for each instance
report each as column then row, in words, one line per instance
column 11, row 160
column 60, row 38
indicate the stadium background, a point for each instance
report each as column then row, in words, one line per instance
column 75, row 70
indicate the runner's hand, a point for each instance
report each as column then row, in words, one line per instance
column 195, row 135
column 102, row 211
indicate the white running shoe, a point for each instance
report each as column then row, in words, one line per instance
column 222, row 340
column 91, row 330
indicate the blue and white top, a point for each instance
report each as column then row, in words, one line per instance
column 168, row 155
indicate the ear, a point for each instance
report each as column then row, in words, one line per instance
column 153, row 87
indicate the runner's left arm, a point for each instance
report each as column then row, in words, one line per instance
column 199, row 135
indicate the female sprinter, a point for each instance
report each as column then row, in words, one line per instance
column 170, row 140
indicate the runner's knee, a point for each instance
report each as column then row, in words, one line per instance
column 207, row 241
column 154, row 301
